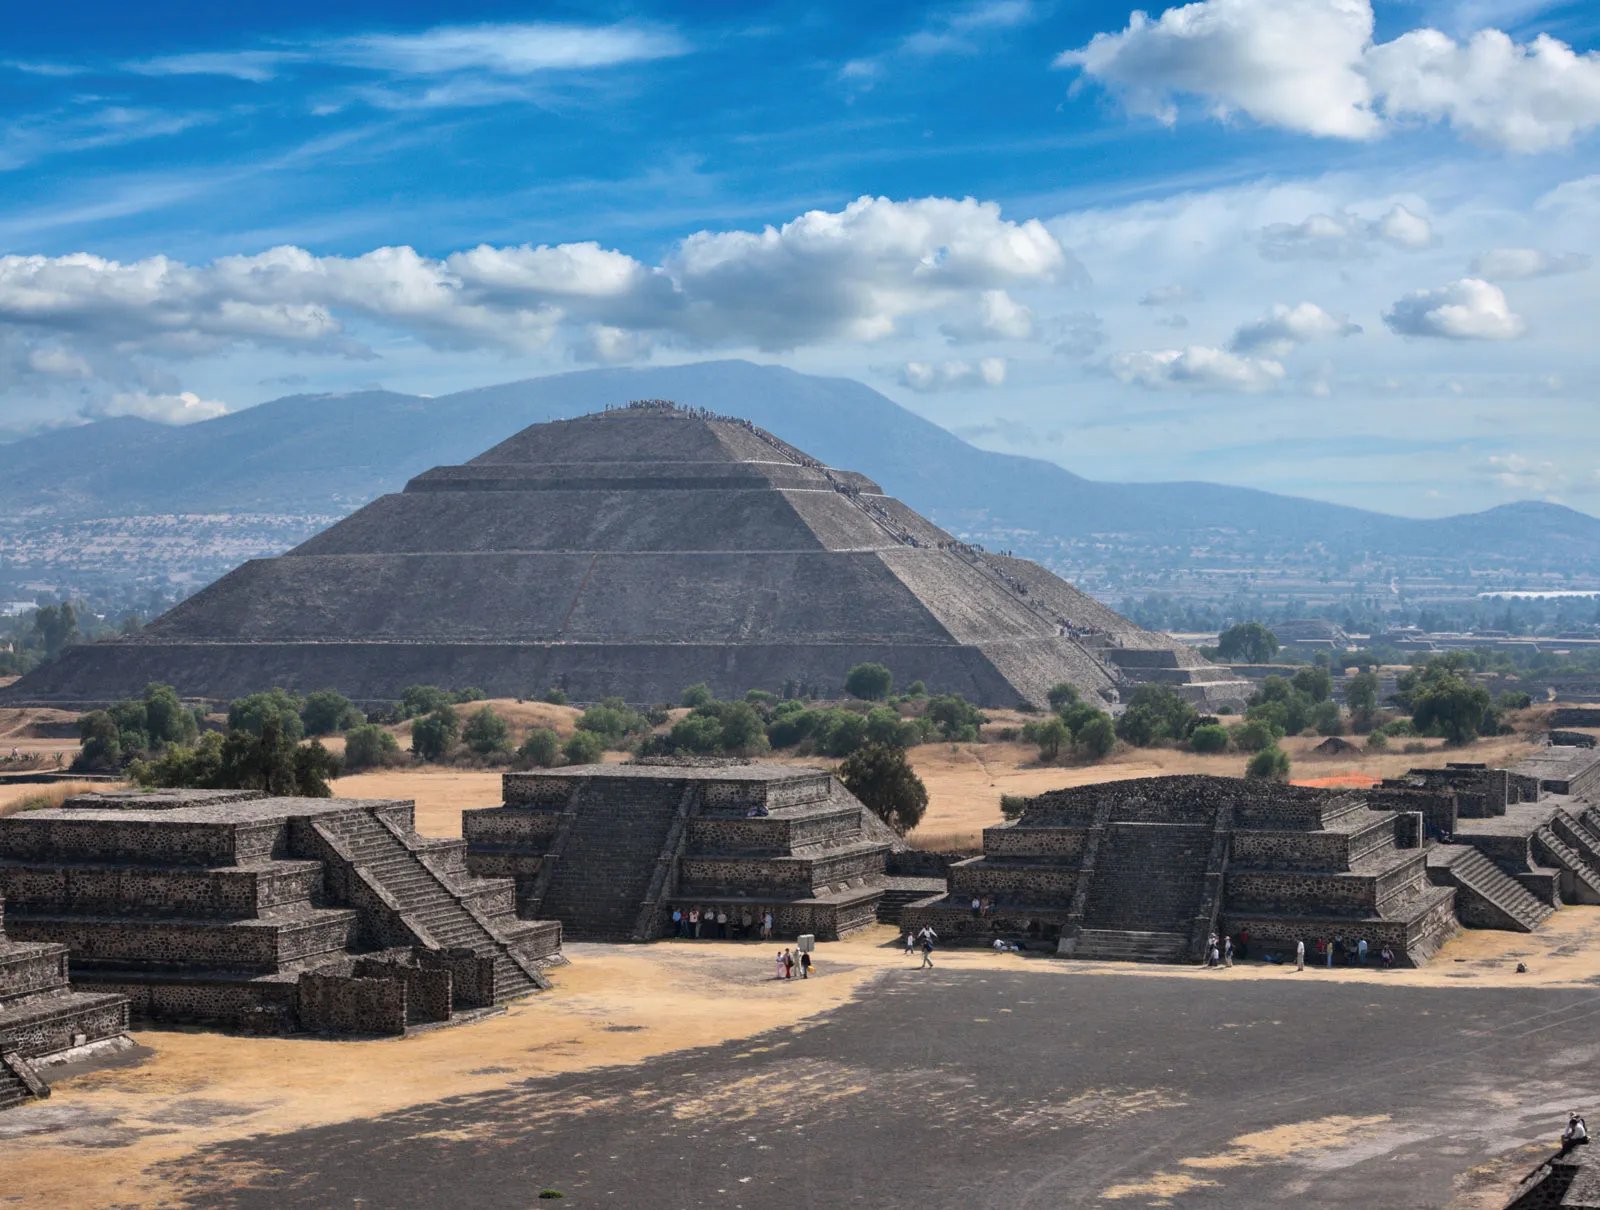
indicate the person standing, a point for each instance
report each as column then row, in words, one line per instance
column 694, row 922
column 779, row 963
column 766, row 925
column 722, row 923
column 677, row 922
column 1330, row 945
column 1300, row 955
column 1361, row 951
column 1227, row 951
column 927, row 950
column 911, row 943
column 1244, row 944
column 977, row 907
column 805, row 964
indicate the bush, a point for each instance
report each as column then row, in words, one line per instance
column 956, row 719
column 614, row 721
column 422, row 699
column 461, row 696
column 1269, row 764
column 700, row 733
column 916, row 689
column 870, row 682
column 697, row 695
column 1096, row 737
column 1326, row 719
column 435, row 734
column 101, row 741
column 486, row 732
column 1052, row 736
column 584, row 748
column 1155, row 713
column 1247, row 643
column 369, row 746
column 1210, row 738
column 1062, row 695
column 541, row 749
column 327, row 712
column 886, row 784
column 1013, row 805
column 1255, row 735
column 556, row 696
column 1414, row 748
column 1377, row 742
column 761, row 698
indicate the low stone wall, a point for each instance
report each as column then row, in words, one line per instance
column 227, row 893
column 1290, row 850
column 920, row 863
column 259, row 1006
column 1575, row 716
column 1439, row 807
column 1065, row 844
column 471, row 977
column 537, row 789
column 179, row 944
column 349, row 1004
column 143, row 842
column 1290, row 893
column 956, row 925
column 1010, row 881
column 512, row 827
column 103, row 1017
column 23, row 974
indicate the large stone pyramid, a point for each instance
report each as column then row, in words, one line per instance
column 632, row 552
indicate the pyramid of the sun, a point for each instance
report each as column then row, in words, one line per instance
column 632, row 552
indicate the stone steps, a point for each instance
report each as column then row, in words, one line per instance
column 14, row 1090
column 1476, row 874
column 1583, row 874
column 1127, row 945
column 603, row 874
column 1148, row 878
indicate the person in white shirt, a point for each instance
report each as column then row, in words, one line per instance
column 1576, row 1134
column 1299, row 955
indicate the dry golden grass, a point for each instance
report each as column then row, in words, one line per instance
column 34, row 797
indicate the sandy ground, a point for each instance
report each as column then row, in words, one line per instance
column 96, row 1141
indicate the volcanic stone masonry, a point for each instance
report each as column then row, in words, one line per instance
column 630, row 553
column 611, row 850
column 43, row 1020
column 268, row 914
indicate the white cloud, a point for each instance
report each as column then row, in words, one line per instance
column 926, row 376
column 1514, row 472
column 1311, row 66
column 512, row 49
column 1469, row 309
column 952, row 32
column 1197, row 367
column 184, row 407
column 997, row 316
column 1289, row 63
column 612, row 346
column 1345, row 236
column 1512, row 264
column 1526, row 98
column 1285, row 328
column 1168, row 296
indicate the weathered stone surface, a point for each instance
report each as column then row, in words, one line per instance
column 631, row 553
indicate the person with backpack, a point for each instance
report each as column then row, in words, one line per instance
column 805, row 964
column 927, row 953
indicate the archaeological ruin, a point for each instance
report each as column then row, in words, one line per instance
column 44, row 1020
column 612, row 850
column 272, row 915
column 1148, row 869
column 630, row 553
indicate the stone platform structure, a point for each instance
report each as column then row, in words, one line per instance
column 236, row 909
column 1146, row 869
column 1562, row 1182
column 630, row 553
column 43, row 1019
column 611, row 850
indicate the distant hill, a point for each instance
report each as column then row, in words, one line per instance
column 321, row 454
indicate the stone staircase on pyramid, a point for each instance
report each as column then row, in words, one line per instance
column 1486, row 896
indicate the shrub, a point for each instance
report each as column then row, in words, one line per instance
column 1326, row 719
column 1255, row 735
column 556, row 696
column 1269, row 764
column 870, row 682
column 697, row 733
column 955, row 718
column 584, row 748
column 433, row 735
column 327, row 712
column 460, row 696
column 1155, row 713
column 1062, row 695
column 422, row 699
column 1052, row 736
column 1414, row 748
column 1096, row 737
column 916, row 689
column 1013, row 805
column 613, row 720
column 368, row 746
column 1212, row 737
column 251, row 713
column 697, row 695
column 486, row 731
column 761, row 697
column 882, row 778
column 542, row 748
column 1377, row 742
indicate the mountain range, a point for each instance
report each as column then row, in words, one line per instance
column 328, row 454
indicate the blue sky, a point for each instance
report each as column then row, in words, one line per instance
column 1306, row 245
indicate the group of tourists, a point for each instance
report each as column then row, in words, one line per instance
column 719, row 924
column 1219, row 950
column 982, row 906
column 1341, row 951
column 788, row 962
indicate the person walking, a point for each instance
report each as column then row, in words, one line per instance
column 1227, row 952
column 788, row 964
column 1361, row 951
column 1300, row 955
column 805, row 964
column 1328, row 944
column 766, row 926
column 779, row 962
column 977, row 907
column 911, row 943
column 927, row 951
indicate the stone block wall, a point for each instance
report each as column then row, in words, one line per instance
column 349, row 1004
column 1438, row 806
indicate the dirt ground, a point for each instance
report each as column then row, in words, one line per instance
column 116, row 1136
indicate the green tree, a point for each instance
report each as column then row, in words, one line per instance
column 435, row 734
column 541, row 748
column 701, row 733
column 1256, row 734
column 101, row 741
column 486, row 732
column 869, row 682
column 1013, row 805
column 1269, row 764
column 272, row 761
column 423, row 699
column 956, row 718
column 1326, row 719
column 1210, row 738
column 1096, row 736
column 1053, row 737
column 1062, row 695
column 1454, row 707
column 328, row 712
column 1155, row 713
column 697, row 694
column 1247, row 643
column 614, row 720
column 556, row 696
column 1361, row 695
column 369, row 746
column 1315, row 682
column 743, row 730
column 55, row 628
column 252, row 712
column 1377, row 742
column 584, row 748
column 166, row 719
column 840, row 732
column 883, row 779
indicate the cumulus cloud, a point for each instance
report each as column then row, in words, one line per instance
column 1514, row 472
column 862, row 273
column 1345, row 236
column 1469, row 309
column 184, row 407
column 1197, row 367
column 1285, row 328
column 997, row 316
column 1511, row 264
column 1311, row 66
column 927, row 376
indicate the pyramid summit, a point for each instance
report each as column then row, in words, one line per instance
column 631, row 552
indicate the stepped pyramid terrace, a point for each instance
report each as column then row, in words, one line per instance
column 43, row 1019
column 272, row 915
column 612, row 850
column 629, row 553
